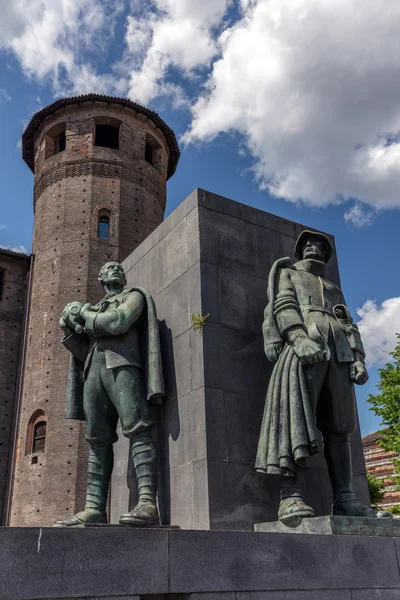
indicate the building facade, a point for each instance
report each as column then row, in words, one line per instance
column 380, row 463
column 101, row 165
column 14, row 278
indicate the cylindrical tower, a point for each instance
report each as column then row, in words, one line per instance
column 101, row 166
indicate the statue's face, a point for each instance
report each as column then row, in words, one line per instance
column 314, row 248
column 112, row 272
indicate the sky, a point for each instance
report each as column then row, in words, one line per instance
column 291, row 107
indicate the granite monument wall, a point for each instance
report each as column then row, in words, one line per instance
column 212, row 256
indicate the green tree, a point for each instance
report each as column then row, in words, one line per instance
column 386, row 404
column 395, row 510
column 376, row 489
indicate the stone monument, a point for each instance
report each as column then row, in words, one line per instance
column 212, row 256
column 111, row 378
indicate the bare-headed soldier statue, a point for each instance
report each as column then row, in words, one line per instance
column 115, row 371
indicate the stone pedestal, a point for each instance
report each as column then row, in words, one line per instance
column 213, row 255
column 137, row 564
column 336, row 525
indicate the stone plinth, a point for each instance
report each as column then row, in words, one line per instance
column 337, row 525
column 123, row 564
column 213, row 255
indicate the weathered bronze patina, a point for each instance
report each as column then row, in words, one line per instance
column 317, row 348
column 115, row 371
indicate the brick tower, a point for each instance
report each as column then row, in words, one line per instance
column 101, row 166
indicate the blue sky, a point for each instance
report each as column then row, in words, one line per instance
column 289, row 107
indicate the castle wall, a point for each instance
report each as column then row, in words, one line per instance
column 71, row 188
column 14, row 274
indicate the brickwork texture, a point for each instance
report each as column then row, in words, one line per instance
column 14, row 274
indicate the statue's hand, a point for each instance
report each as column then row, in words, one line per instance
column 71, row 317
column 86, row 308
column 358, row 372
column 64, row 328
column 308, row 351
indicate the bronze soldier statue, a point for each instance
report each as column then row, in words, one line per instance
column 319, row 355
column 115, row 371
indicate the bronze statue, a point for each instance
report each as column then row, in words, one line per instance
column 115, row 371
column 317, row 348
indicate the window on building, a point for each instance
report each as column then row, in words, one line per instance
column 148, row 154
column 107, row 136
column 39, row 437
column 153, row 153
column 60, row 142
column 36, row 433
column 103, row 228
column 55, row 140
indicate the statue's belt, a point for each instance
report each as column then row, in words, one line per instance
column 312, row 307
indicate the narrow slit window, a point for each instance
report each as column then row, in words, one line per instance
column 104, row 227
column 148, row 154
column 107, row 136
column 39, row 437
column 60, row 143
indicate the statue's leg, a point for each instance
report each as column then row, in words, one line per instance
column 337, row 419
column 292, row 508
column 101, row 423
column 338, row 459
column 129, row 398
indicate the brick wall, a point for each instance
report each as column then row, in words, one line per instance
column 71, row 187
column 14, row 271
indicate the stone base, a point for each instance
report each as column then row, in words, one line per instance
column 121, row 563
column 126, row 525
column 335, row 524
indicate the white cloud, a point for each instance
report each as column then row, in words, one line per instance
column 4, row 95
column 378, row 326
column 50, row 38
column 313, row 87
column 359, row 216
column 171, row 34
column 14, row 248
column 3, row 227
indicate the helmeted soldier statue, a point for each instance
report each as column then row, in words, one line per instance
column 115, row 371
column 311, row 336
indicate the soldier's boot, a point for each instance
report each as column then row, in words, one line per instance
column 100, row 464
column 338, row 459
column 145, row 513
column 292, row 508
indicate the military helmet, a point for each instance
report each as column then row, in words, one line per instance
column 302, row 239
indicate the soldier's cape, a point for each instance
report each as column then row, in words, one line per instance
column 150, row 346
column 288, row 434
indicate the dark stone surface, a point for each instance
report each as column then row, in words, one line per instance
column 63, row 563
column 213, row 255
column 337, row 525
column 243, row 561
column 381, row 594
column 296, row 595
column 121, row 563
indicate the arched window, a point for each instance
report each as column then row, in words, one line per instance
column 39, row 437
column 60, row 142
column 107, row 136
column 55, row 140
column 36, row 433
column 103, row 228
column 148, row 154
column 153, row 153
